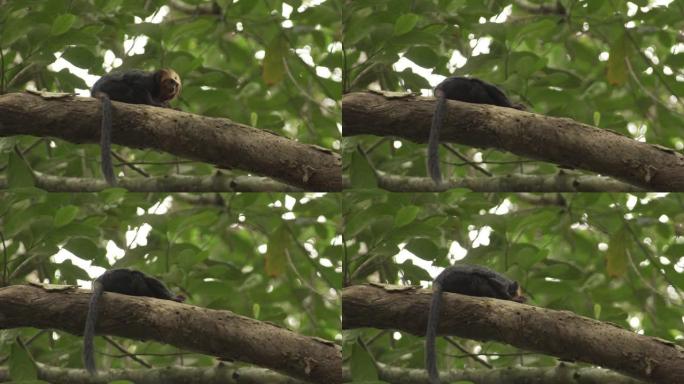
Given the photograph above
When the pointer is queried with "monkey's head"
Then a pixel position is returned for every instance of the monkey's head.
(169, 84)
(516, 293)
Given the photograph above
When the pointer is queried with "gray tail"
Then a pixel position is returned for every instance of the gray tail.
(89, 331)
(431, 334)
(106, 140)
(433, 140)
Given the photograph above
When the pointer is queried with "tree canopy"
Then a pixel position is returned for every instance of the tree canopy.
(616, 258)
(273, 66)
(613, 65)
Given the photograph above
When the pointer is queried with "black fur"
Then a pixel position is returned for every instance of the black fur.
(126, 282)
(472, 280)
(464, 89)
(131, 86)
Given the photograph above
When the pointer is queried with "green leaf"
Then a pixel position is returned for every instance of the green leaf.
(62, 23)
(361, 364)
(597, 118)
(19, 175)
(423, 248)
(256, 309)
(406, 215)
(617, 68)
(21, 367)
(274, 70)
(276, 257)
(65, 215)
(616, 255)
(405, 23)
(360, 173)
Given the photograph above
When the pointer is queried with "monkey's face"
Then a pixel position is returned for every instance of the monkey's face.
(516, 293)
(169, 84)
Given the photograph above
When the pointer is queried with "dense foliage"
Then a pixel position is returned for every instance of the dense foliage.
(269, 257)
(613, 64)
(612, 257)
(269, 64)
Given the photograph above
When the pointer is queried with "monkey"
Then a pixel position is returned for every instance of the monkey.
(126, 282)
(469, 90)
(472, 280)
(134, 87)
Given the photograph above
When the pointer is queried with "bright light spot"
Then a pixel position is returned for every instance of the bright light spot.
(503, 16)
(292, 322)
(158, 16)
(305, 54)
(60, 64)
(262, 248)
(631, 202)
(456, 252)
(679, 265)
(404, 255)
(323, 72)
(404, 63)
(663, 219)
(480, 46)
(311, 250)
(631, 9)
(634, 322)
(480, 237)
(396, 144)
(290, 202)
(396, 335)
(138, 236)
(602, 247)
(503, 208)
(114, 252)
(132, 46)
(161, 207)
(287, 11)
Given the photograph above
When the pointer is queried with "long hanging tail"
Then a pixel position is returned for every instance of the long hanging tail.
(433, 140)
(431, 333)
(106, 140)
(89, 331)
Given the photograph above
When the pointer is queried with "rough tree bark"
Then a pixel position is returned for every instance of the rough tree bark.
(557, 333)
(213, 140)
(212, 332)
(557, 140)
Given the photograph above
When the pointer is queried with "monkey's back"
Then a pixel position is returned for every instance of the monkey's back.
(475, 280)
(472, 90)
(131, 86)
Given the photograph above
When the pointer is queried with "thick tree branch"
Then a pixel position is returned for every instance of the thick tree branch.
(558, 333)
(212, 332)
(557, 140)
(560, 182)
(213, 140)
(562, 373)
(174, 183)
(223, 373)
